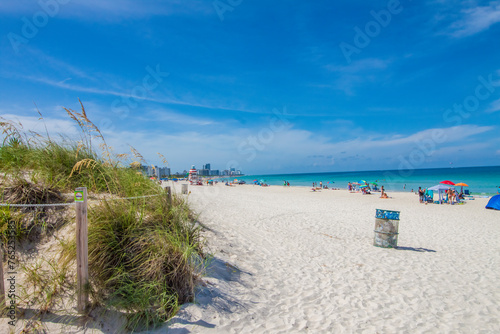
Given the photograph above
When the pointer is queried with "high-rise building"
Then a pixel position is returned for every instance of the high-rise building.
(164, 172)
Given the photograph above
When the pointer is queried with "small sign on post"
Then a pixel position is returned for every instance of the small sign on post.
(82, 252)
(79, 197)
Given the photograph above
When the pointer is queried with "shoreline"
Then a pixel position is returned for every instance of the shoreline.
(475, 195)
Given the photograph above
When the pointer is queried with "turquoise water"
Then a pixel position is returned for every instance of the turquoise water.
(481, 180)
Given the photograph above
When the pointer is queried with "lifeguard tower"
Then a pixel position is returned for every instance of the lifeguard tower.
(193, 174)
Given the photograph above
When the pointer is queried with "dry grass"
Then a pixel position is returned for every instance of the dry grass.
(32, 223)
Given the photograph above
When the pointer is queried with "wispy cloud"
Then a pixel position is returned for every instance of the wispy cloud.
(494, 106)
(288, 147)
(66, 84)
(356, 73)
(164, 115)
(476, 19)
(54, 126)
(89, 10)
(363, 65)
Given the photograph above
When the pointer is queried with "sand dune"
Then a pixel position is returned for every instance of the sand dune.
(288, 260)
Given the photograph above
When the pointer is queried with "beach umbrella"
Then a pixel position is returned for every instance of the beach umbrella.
(462, 185)
(363, 186)
(362, 181)
(447, 182)
(375, 183)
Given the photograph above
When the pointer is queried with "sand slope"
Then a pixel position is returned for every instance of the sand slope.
(288, 260)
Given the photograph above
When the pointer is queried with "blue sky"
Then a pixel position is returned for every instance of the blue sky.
(286, 86)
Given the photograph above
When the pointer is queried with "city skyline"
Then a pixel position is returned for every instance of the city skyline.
(164, 172)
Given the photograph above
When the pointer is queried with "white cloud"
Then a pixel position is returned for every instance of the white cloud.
(110, 10)
(184, 101)
(494, 106)
(53, 126)
(165, 115)
(362, 65)
(284, 150)
(356, 73)
(475, 20)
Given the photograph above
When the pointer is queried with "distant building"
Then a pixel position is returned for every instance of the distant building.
(158, 172)
(164, 172)
(147, 170)
(214, 172)
(204, 172)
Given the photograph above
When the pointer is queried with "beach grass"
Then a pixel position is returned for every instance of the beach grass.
(145, 254)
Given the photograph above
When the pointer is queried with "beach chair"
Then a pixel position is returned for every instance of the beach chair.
(467, 192)
(429, 196)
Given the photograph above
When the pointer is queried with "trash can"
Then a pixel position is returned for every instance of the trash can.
(386, 228)
(184, 189)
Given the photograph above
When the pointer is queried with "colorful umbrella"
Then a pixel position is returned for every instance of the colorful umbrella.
(462, 185)
(447, 182)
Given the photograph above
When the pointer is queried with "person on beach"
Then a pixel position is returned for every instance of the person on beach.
(421, 193)
(449, 196)
(383, 194)
(321, 184)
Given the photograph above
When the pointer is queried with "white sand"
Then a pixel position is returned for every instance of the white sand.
(288, 260)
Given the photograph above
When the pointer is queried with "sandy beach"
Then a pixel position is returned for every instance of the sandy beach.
(289, 260)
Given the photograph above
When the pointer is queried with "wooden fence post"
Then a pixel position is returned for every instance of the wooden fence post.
(169, 196)
(82, 252)
(2, 282)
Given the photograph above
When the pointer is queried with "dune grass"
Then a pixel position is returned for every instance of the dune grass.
(144, 254)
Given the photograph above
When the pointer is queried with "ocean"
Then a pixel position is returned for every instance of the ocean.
(481, 180)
